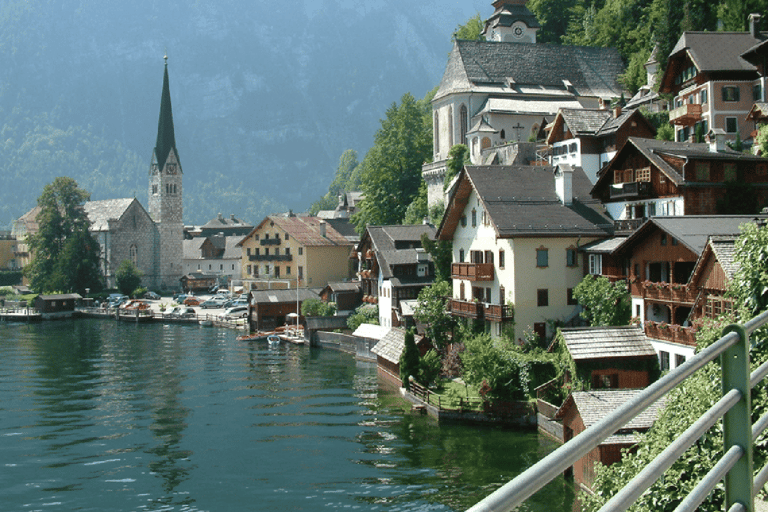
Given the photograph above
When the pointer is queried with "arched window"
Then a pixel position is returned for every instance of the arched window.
(486, 143)
(461, 290)
(134, 254)
(503, 134)
(436, 127)
(450, 126)
(464, 120)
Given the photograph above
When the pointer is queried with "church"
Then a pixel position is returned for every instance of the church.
(150, 238)
(505, 89)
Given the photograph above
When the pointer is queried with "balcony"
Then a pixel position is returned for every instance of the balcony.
(631, 190)
(498, 313)
(466, 309)
(685, 115)
(271, 257)
(627, 226)
(269, 241)
(664, 292)
(472, 271)
(672, 333)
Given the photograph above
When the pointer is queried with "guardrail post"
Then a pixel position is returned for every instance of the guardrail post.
(737, 422)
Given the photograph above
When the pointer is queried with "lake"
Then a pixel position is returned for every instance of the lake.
(100, 415)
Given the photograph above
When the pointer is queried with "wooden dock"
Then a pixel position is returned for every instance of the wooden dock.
(20, 315)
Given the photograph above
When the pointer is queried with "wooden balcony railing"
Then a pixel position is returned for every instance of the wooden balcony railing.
(467, 309)
(498, 313)
(666, 292)
(685, 115)
(670, 332)
(631, 190)
(472, 271)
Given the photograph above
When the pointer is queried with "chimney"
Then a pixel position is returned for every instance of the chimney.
(322, 228)
(754, 25)
(221, 217)
(564, 183)
(616, 111)
(716, 140)
(232, 217)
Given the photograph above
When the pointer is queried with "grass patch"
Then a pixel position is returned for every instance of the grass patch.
(456, 395)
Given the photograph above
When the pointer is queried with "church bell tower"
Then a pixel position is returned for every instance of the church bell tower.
(165, 195)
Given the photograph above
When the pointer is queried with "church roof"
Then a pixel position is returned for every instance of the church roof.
(586, 71)
(508, 13)
(166, 139)
(101, 212)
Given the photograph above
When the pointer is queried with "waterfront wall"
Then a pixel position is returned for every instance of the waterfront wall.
(359, 347)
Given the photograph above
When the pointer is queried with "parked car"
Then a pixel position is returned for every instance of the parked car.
(182, 312)
(213, 303)
(234, 312)
(191, 301)
(151, 296)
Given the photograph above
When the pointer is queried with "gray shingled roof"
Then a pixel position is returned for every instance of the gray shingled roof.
(595, 405)
(691, 230)
(717, 51)
(101, 212)
(192, 248)
(384, 240)
(604, 246)
(586, 343)
(391, 346)
(283, 296)
(522, 200)
(724, 248)
(592, 71)
(585, 121)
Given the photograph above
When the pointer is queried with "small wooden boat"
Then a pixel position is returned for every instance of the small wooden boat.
(273, 339)
(251, 337)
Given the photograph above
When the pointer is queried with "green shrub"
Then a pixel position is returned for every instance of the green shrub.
(429, 368)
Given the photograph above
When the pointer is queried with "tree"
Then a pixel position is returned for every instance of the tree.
(458, 157)
(342, 182)
(128, 277)
(365, 314)
(65, 254)
(471, 30)
(409, 359)
(316, 307)
(391, 170)
(761, 140)
(431, 311)
(442, 255)
(604, 302)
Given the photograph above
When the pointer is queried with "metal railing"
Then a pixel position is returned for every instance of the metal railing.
(734, 407)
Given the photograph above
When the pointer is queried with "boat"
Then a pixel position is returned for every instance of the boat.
(273, 339)
(206, 323)
(251, 337)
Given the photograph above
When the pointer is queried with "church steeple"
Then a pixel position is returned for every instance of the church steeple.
(166, 139)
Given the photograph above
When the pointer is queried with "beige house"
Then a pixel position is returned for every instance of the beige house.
(516, 232)
(286, 252)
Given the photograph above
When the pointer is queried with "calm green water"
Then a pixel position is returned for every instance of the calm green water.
(96, 415)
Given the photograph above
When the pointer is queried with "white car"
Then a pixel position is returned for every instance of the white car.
(234, 312)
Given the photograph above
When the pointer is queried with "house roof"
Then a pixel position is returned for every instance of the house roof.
(543, 107)
(604, 246)
(723, 248)
(282, 296)
(372, 331)
(595, 405)
(522, 201)
(391, 346)
(716, 51)
(692, 231)
(221, 222)
(61, 296)
(101, 212)
(198, 276)
(396, 244)
(588, 343)
(596, 122)
(590, 71)
(344, 286)
(655, 151)
(305, 230)
(192, 248)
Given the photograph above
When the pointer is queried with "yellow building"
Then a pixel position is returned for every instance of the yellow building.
(283, 252)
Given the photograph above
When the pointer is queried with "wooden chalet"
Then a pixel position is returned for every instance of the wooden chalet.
(611, 357)
(269, 308)
(714, 269)
(583, 409)
(346, 295)
(650, 177)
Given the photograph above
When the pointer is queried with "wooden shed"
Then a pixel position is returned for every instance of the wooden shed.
(57, 306)
(198, 282)
(388, 352)
(583, 409)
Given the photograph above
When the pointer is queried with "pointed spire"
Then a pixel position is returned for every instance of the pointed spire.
(165, 136)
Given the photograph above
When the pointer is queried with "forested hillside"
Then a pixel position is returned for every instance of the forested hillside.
(266, 95)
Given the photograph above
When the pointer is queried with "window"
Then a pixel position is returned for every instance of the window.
(571, 258)
(464, 120)
(501, 258)
(463, 221)
(729, 172)
(266, 251)
(474, 218)
(437, 133)
(258, 251)
(249, 251)
(134, 253)
(703, 97)
(757, 92)
(301, 272)
(643, 174)
(287, 251)
(461, 255)
(286, 236)
(731, 93)
(540, 328)
(301, 251)
(679, 359)
(702, 171)
(663, 240)
(542, 257)
(249, 270)
(731, 125)
(595, 264)
(542, 297)
(461, 290)
(664, 360)
(569, 298)
(287, 271)
(277, 271)
(502, 295)
(489, 257)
